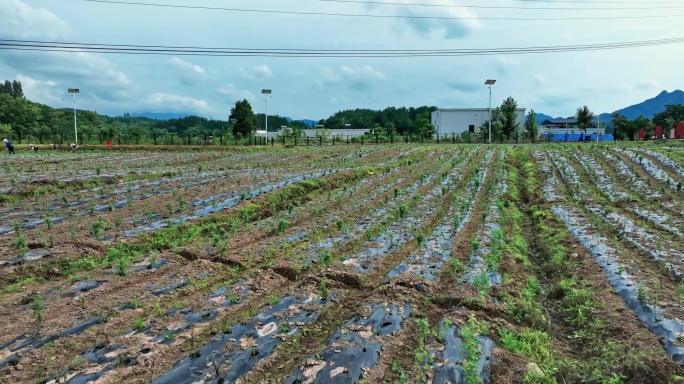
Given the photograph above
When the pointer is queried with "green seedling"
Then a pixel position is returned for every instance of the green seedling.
(138, 324)
(38, 309)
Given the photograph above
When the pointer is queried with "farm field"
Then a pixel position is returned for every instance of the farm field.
(344, 264)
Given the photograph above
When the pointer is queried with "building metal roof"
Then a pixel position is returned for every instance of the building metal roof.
(559, 121)
(471, 109)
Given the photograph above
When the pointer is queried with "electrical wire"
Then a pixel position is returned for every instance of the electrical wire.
(505, 7)
(26, 45)
(600, 2)
(298, 13)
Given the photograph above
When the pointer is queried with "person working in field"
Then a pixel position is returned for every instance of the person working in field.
(9, 146)
(73, 146)
(109, 144)
(33, 147)
(54, 146)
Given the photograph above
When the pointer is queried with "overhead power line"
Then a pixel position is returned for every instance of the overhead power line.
(302, 13)
(612, 8)
(600, 2)
(299, 53)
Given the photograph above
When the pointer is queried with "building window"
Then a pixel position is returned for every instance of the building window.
(471, 128)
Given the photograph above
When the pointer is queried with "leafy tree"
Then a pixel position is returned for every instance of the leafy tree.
(274, 122)
(17, 91)
(508, 118)
(389, 130)
(5, 130)
(670, 123)
(531, 125)
(245, 120)
(6, 88)
(299, 125)
(585, 118)
(424, 127)
(633, 126)
(673, 114)
(620, 126)
(157, 133)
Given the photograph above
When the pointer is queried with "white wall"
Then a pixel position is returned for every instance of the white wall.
(448, 121)
(336, 132)
(312, 132)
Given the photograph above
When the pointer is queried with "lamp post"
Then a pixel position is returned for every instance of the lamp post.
(267, 94)
(489, 83)
(73, 92)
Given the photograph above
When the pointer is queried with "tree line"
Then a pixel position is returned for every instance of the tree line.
(22, 120)
(626, 129)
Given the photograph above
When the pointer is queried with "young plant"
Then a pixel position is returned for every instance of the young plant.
(323, 289)
(122, 267)
(21, 246)
(38, 309)
(138, 324)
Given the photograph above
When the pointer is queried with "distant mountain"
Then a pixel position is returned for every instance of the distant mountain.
(605, 117)
(647, 108)
(162, 116)
(541, 117)
(652, 106)
(308, 122)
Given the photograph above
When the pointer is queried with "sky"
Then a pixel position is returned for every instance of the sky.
(313, 88)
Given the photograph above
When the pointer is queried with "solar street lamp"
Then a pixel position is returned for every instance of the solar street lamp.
(73, 92)
(267, 94)
(489, 83)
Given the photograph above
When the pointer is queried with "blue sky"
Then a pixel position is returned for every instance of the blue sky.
(314, 88)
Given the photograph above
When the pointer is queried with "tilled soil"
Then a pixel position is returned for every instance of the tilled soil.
(406, 264)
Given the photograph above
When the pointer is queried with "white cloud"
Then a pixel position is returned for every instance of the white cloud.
(235, 93)
(258, 73)
(362, 72)
(447, 22)
(188, 72)
(555, 83)
(648, 84)
(44, 91)
(22, 22)
(340, 99)
(505, 64)
(162, 102)
(356, 78)
(540, 79)
(93, 74)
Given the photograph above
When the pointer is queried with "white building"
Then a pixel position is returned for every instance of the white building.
(459, 120)
(315, 132)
